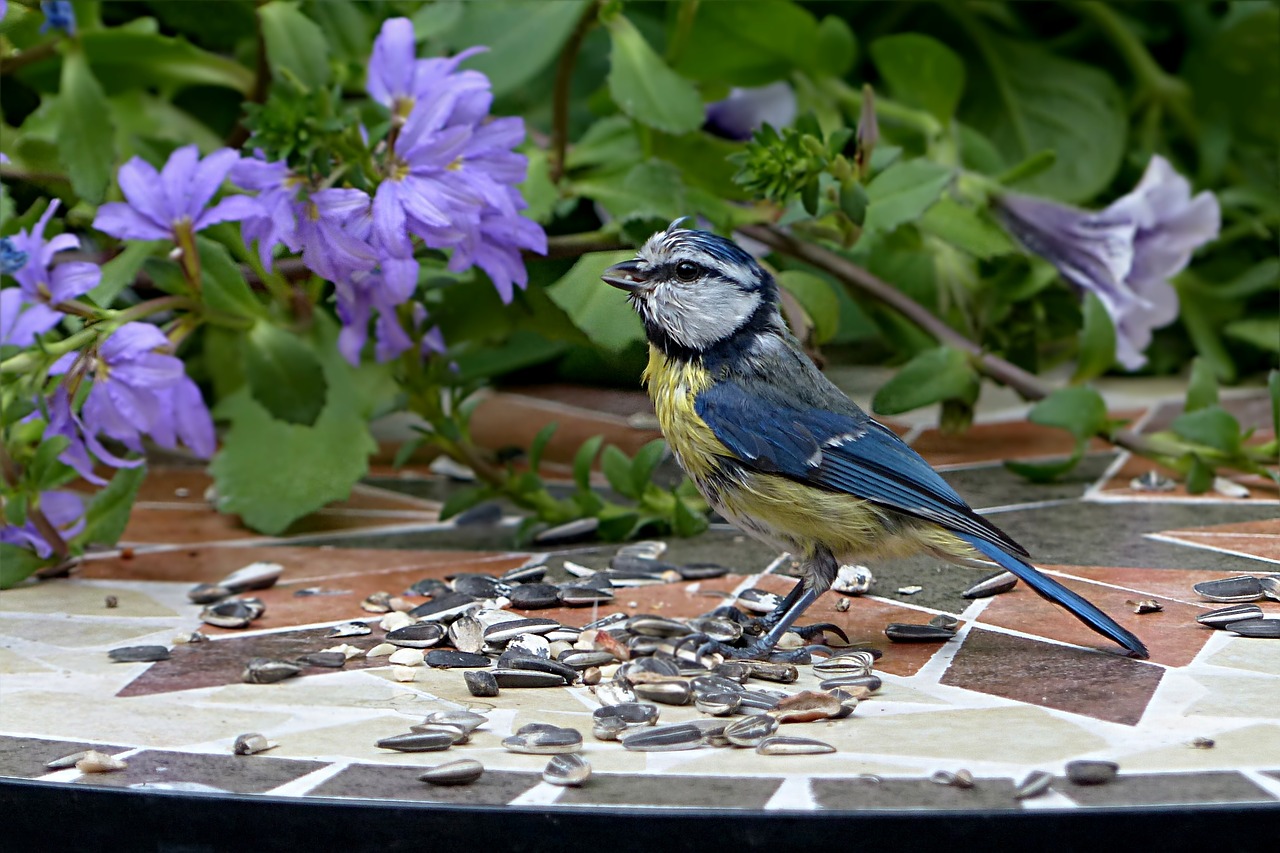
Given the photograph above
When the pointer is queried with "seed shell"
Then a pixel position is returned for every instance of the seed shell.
(786, 745)
(139, 654)
(462, 772)
(569, 770)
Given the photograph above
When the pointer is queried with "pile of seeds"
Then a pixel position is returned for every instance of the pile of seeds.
(1243, 617)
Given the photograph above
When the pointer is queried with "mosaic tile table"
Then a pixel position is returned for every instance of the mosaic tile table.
(1022, 687)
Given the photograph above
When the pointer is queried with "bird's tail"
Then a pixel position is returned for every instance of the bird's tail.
(1049, 588)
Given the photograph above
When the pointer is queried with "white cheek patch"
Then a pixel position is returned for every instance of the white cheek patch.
(698, 323)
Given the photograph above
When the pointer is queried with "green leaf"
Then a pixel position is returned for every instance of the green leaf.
(1273, 385)
(686, 522)
(836, 47)
(645, 88)
(224, 359)
(616, 528)
(463, 500)
(1080, 411)
(1212, 426)
(1026, 100)
(18, 564)
(272, 473)
(284, 374)
(818, 298)
(1097, 341)
(122, 270)
(45, 471)
(1202, 388)
(645, 463)
(126, 59)
(108, 512)
(1261, 332)
(1046, 472)
(617, 470)
(295, 44)
(86, 139)
(650, 190)
(583, 459)
(523, 38)
(600, 311)
(903, 192)
(921, 72)
(539, 445)
(434, 20)
(750, 44)
(225, 289)
(934, 375)
(965, 228)
(1199, 476)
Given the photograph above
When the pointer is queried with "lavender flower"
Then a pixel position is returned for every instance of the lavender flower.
(1124, 254)
(64, 422)
(21, 321)
(174, 202)
(746, 110)
(42, 286)
(64, 510)
(58, 15)
(139, 391)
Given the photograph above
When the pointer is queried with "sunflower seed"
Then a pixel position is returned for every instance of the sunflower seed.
(759, 600)
(524, 678)
(420, 635)
(848, 702)
(530, 645)
(785, 745)
(750, 731)
(434, 741)
(395, 620)
(1229, 488)
(606, 621)
(251, 744)
(329, 660)
(1201, 743)
(252, 576)
(480, 682)
(94, 761)
(268, 671)
(657, 626)
(712, 683)
(1091, 771)
(351, 629)
(450, 659)
(535, 596)
(581, 596)
(1270, 586)
(721, 630)
(580, 659)
(230, 613)
(1259, 628)
(640, 668)
(679, 736)
(1036, 783)
(1242, 588)
(582, 528)
(992, 585)
(381, 650)
(718, 704)
(462, 772)
(444, 608)
(487, 513)
(479, 586)
(853, 580)
(504, 631)
(854, 663)
(66, 761)
(510, 661)
(139, 654)
(702, 571)
(872, 683)
(406, 657)
(615, 693)
(468, 721)
(455, 732)
(530, 573)
(550, 740)
(569, 770)
(1145, 605)
(902, 633)
(193, 637)
(430, 587)
(909, 590)
(207, 593)
(645, 549)
(959, 779)
(665, 692)
(945, 621)
(781, 673)
(805, 707)
(378, 602)
(1152, 481)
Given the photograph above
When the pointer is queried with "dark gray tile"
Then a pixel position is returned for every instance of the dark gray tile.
(993, 485)
(1114, 534)
(1166, 789)
(240, 774)
(861, 794)
(25, 757)
(380, 782)
(671, 790)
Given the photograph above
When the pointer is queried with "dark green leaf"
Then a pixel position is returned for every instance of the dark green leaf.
(965, 228)
(539, 445)
(130, 59)
(602, 312)
(1199, 476)
(1080, 411)
(903, 192)
(108, 512)
(122, 270)
(347, 28)
(434, 20)
(1027, 100)
(45, 471)
(295, 44)
(1212, 426)
(645, 462)
(86, 138)
(687, 522)
(15, 410)
(644, 87)
(931, 377)
(18, 564)
(463, 500)
(1097, 341)
(921, 72)
(225, 289)
(617, 470)
(1273, 385)
(836, 47)
(224, 359)
(583, 460)
(650, 190)
(1202, 389)
(406, 450)
(750, 44)
(523, 38)
(1046, 472)
(818, 298)
(284, 374)
(1261, 332)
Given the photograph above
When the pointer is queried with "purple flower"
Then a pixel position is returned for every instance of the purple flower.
(64, 422)
(64, 510)
(29, 310)
(1124, 254)
(138, 391)
(746, 110)
(58, 15)
(174, 202)
(21, 321)
(396, 77)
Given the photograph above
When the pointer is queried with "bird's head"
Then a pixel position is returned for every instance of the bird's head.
(694, 289)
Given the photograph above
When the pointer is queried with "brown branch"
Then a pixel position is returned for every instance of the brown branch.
(15, 174)
(261, 83)
(560, 99)
(1028, 385)
(17, 61)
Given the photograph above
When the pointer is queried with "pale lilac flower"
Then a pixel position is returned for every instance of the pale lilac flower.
(4, 8)
(746, 110)
(138, 391)
(58, 15)
(64, 510)
(64, 422)
(174, 202)
(396, 77)
(1124, 254)
(29, 310)
(357, 299)
(22, 321)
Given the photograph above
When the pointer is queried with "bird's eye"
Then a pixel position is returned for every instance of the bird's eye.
(688, 271)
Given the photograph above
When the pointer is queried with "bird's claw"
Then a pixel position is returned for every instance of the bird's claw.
(808, 632)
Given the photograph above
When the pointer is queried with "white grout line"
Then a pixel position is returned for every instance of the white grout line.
(541, 794)
(1050, 799)
(304, 785)
(1270, 784)
(794, 794)
(1160, 537)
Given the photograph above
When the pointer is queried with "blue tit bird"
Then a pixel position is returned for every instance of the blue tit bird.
(780, 451)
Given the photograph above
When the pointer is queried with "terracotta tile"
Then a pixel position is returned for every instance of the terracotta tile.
(182, 526)
(240, 774)
(1117, 486)
(1259, 538)
(1172, 635)
(610, 401)
(1106, 687)
(996, 442)
(512, 420)
(1163, 583)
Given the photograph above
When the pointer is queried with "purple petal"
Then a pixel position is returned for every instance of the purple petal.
(131, 340)
(122, 221)
(207, 177)
(148, 370)
(175, 181)
(60, 243)
(389, 220)
(392, 338)
(400, 277)
(194, 424)
(340, 204)
(231, 209)
(69, 280)
(140, 183)
(391, 65)
(20, 325)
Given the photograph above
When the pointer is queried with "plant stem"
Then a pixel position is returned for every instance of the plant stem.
(1028, 385)
(573, 245)
(891, 111)
(560, 98)
(25, 362)
(261, 84)
(16, 61)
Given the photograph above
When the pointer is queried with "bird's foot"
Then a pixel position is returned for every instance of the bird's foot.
(754, 651)
(808, 632)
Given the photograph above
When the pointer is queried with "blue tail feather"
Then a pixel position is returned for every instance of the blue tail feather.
(1049, 588)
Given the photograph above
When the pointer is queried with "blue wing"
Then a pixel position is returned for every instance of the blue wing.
(843, 452)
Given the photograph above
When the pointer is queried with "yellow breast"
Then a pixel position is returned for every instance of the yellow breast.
(673, 386)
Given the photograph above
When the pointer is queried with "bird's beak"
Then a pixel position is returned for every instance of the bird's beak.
(624, 276)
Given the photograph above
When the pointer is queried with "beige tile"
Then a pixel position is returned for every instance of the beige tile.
(68, 596)
(1251, 746)
(1251, 654)
(356, 741)
(12, 663)
(78, 634)
(1238, 696)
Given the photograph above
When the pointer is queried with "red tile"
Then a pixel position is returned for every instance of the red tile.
(1252, 538)
(1163, 583)
(1105, 687)
(1117, 485)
